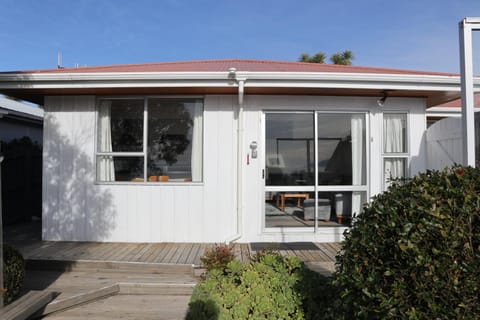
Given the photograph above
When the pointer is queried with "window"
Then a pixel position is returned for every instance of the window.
(151, 139)
(395, 150)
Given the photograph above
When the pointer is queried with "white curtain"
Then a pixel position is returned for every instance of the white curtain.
(358, 159)
(197, 142)
(106, 169)
(393, 142)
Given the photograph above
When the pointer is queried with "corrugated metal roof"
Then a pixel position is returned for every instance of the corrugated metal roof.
(239, 64)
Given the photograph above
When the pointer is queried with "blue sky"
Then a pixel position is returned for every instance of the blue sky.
(421, 34)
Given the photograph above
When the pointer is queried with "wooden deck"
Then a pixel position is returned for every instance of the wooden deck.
(33, 248)
(157, 278)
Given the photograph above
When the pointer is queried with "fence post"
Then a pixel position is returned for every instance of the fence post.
(1, 232)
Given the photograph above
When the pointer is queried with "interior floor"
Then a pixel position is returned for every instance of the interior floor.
(293, 217)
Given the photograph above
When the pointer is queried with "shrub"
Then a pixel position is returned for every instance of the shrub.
(13, 273)
(217, 257)
(271, 287)
(414, 253)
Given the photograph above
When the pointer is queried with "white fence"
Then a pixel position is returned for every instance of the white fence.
(444, 143)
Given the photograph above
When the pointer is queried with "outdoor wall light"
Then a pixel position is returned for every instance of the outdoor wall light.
(382, 100)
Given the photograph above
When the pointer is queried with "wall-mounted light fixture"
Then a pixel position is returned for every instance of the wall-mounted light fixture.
(382, 100)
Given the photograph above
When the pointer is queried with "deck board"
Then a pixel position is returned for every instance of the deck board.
(170, 253)
(164, 253)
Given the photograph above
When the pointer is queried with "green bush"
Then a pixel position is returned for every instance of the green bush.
(217, 257)
(13, 273)
(414, 252)
(271, 287)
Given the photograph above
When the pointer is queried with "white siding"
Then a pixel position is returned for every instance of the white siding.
(77, 208)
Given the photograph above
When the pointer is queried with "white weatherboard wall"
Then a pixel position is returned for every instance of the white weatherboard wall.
(77, 208)
(255, 106)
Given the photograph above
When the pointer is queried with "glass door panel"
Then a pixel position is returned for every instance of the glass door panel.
(285, 209)
(289, 149)
(296, 151)
(341, 149)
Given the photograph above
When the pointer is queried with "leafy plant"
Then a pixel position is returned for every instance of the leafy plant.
(270, 287)
(13, 273)
(217, 257)
(414, 252)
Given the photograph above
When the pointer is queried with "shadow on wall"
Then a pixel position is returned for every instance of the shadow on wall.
(74, 208)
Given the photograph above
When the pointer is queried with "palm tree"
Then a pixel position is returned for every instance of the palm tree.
(344, 58)
(319, 57)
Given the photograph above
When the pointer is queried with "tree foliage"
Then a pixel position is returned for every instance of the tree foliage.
(343, 58)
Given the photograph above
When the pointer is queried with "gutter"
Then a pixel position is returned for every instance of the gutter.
(240, 125)
(217, 79)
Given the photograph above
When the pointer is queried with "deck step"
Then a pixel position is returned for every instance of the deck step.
(87, 297)
(172, 289)
(110, 266)
(25, 306)
(119, 288)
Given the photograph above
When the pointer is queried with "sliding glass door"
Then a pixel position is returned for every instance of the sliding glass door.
(315, 168)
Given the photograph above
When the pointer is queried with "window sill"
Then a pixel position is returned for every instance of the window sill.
(166, 183)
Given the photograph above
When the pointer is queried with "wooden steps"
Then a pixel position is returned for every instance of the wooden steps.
(27, 305)
(110, 266)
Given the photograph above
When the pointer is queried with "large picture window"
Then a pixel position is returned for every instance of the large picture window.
(150, 140)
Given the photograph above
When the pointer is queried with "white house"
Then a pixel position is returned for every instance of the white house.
(223, 150)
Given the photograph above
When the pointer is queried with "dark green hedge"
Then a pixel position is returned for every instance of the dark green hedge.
(414, 253)
(13, 273)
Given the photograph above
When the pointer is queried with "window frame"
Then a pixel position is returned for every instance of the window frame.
(396, 155)
(143, 154)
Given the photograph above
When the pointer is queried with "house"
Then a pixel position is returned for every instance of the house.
(19, 120)
(21, 136)
(223, 150)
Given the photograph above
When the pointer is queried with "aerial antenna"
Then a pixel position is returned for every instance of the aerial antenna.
(59, 61)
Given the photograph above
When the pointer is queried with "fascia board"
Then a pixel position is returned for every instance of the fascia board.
(221, 79)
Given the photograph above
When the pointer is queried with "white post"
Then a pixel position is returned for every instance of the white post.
(1, 232)
(466, 68)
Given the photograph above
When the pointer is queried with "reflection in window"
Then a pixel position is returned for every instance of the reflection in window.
(289, 149)
(174, 146)
(174, 139)
(341, 149)
(120, 169)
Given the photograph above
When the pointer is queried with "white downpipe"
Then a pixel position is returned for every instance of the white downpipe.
(238, 235)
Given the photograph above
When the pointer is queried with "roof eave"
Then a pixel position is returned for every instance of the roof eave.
(446, 86)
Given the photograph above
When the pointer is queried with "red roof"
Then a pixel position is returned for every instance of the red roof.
(239, 64)
(458, 103)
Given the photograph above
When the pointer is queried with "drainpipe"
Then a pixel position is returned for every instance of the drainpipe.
(241, 84)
